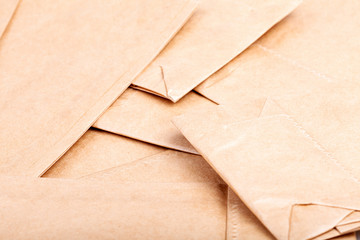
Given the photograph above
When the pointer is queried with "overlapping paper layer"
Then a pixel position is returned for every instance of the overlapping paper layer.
(218, 31)
(278, 159)
(62, 63)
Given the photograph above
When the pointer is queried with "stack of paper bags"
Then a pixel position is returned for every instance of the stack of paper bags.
(179, 119)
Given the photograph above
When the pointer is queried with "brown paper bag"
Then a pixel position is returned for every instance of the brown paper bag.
(168, 166)
(148, 118)
(277, 170)
(315, 46)
(62, 63)
(36, 208)
(218, 32)
(242, 223)
(6, 12)
(330, 116)
(96, 151)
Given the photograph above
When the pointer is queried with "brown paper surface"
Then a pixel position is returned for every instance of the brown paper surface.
(310, 73)
(350, 220)
(64, 62)
(353, 217)
(96, 151)
(351, 236)
(349, 227)
(168, 166)
(242, 223)
(6, 12)
(39, 208)
(333, 232)
(217, 32)
(176, 168)
(147, 118)
(279, 183)
(331, 117)
(316, 45)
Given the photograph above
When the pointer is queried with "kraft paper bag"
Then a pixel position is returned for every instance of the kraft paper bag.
(168, 166)
(147, 118)
(176, 168)
(348, 227)
(7, 9)
(331, 117)
(328, 121)
(217, 32)
(96, 151)
(277, 170)
(62, 63)
(351, 219)
(313, 47)
(40, 208)
(242, 223)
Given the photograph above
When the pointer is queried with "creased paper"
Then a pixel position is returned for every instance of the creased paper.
(217, 32)
(62, 63)
(97, 151)
(7, 10)
(313, 47)
(147, 118)
(276, 169)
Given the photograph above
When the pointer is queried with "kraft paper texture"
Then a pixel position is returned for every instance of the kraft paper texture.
(7, 10)
(36, 208)
(255, 156)
(311, 48)
(63, 63)
(147, 118)
(217, 32)
(97, 151)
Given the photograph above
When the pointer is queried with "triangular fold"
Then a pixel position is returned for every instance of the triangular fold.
(271, 108)
(347, 228)
(328, 235)
(310, 220)
(353, 217)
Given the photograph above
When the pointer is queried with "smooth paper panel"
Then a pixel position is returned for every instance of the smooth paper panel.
(96, 151)
(64, 62)
(204, 45)
(168, 166)
(40, 208)
(6, 12)
(317, 44)
(147, 118)
(288, 156)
